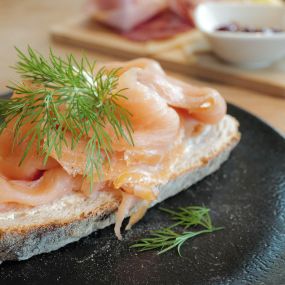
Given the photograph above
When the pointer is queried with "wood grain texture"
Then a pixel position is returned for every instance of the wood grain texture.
(24, 22)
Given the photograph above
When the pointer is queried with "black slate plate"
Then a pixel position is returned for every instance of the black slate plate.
(247, 197)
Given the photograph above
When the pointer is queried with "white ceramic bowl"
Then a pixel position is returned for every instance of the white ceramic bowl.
(251, 50)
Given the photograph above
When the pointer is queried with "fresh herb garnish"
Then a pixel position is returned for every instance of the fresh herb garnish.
(65, 96)
(166, 239)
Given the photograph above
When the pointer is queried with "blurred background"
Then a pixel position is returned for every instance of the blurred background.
(237, 49)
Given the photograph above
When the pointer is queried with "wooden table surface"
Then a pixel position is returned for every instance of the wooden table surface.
(27, 22)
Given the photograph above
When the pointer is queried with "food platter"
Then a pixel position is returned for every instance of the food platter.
(247, 198)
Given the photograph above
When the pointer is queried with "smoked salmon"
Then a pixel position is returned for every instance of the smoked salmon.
(165, 112)
(51, 186)
(10, 159)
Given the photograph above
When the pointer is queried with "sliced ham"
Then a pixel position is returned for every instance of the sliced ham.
(124, 15)
(184, 8)
(143, 20)
(164, 25)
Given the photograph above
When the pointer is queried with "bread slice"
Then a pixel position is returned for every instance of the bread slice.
(27, 232)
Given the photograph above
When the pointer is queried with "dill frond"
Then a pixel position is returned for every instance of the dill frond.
(62, 96)
(166, 239)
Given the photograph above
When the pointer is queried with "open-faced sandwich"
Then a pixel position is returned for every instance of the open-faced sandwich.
(84, 146)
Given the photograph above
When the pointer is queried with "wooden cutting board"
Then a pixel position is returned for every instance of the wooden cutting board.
(179, 55)
(87, 33)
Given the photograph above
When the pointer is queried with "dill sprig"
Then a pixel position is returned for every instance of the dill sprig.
(166, 239)
(63, 96)
(190, 216)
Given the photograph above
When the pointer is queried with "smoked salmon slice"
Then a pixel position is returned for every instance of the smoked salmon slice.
(11, 155)
(54, 184)
(154, 122)
(204, 104)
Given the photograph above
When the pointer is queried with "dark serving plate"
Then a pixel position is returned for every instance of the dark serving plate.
(247, 198)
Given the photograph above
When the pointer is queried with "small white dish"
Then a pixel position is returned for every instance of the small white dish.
(251, 50)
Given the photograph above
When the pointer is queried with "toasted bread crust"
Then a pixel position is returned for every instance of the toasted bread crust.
(22, 244)
(19, 243)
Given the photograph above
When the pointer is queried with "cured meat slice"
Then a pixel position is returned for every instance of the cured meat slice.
(124, 15)
(164, 25)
